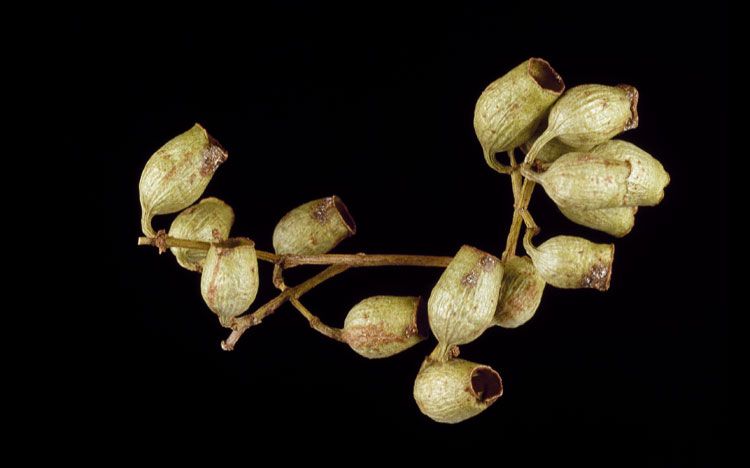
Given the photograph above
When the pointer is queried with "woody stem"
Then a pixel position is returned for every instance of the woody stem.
(522, 190)
(241, 324)
(315, 323)
(291, 261)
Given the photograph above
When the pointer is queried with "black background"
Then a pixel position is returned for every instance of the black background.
(376, 107)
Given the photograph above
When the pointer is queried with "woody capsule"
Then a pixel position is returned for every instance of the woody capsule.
(177, 174)
(511, 107)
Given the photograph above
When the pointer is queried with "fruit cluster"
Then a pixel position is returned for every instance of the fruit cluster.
(566, 136)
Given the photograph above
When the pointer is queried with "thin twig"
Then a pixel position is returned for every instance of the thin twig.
(521, 196)
(291, 261)
(365, 260)
(315, 322)
(241, 324)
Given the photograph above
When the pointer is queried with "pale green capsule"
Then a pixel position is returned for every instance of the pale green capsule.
(647, 179)
(456, 390)
(314, 227)
(510, 109)
(614, 221)
(588, 115)
(520, 294)
(177, 174)
(229, 282)
(463, 301)
(585, 181)
(381, 326)
(570, 262)
(209, 221)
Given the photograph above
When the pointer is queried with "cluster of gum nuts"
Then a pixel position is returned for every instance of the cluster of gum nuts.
(567, 136)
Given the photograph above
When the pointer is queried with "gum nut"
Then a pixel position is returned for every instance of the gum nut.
(177, 174)
(313, 228)
(463, 301)
(456, 390)
(209, 221)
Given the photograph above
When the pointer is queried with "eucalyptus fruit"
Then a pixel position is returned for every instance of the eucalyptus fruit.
(613, 174)
(314, 228)
(456, 390)
(229, 282)
(588, 115)
(586, 181)
(520, 295)
(463, 301)
(647, 178)
(177, 174)
(570, 262)
(381, 326)
(209, 220)
(614, 221)
(511, 108)
(596, 182)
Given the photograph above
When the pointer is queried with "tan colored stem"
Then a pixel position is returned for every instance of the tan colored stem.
(315, 322)
(163, 242)
(365, 260)
(291, 261)
(241, 324)
(522, 190)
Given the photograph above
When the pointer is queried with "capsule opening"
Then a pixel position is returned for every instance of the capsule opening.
(546, 76)
(422, 318)
(486, 384)
(345, 215)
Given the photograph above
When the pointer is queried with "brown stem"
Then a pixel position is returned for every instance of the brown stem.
(164, 242)
(365, 260)
(315, 323)
(522, 190)
(241, 324)
(291, 261)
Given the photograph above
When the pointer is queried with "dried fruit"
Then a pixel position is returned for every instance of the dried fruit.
(177, 174)
(647, 179)
(520, 294)
(209, 220)
(313, 228)
(585, 181)
(614, 221)
(463, 301)
(595, 182)
(588, 115)
(510, 109)
(229, 282)
(456, 390)
(570, 262)
(381, 326)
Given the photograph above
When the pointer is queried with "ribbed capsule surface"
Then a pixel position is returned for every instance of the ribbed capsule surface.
(588, 115)
(520, 294)
(209, 221)
(229, 282)
(177, 174)
(456, 390)
(511, 107)
(647, 179)
(463, 301)
(585, 181)
(381, 326)
(570, 262)
(313, 228)
(616, 222)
